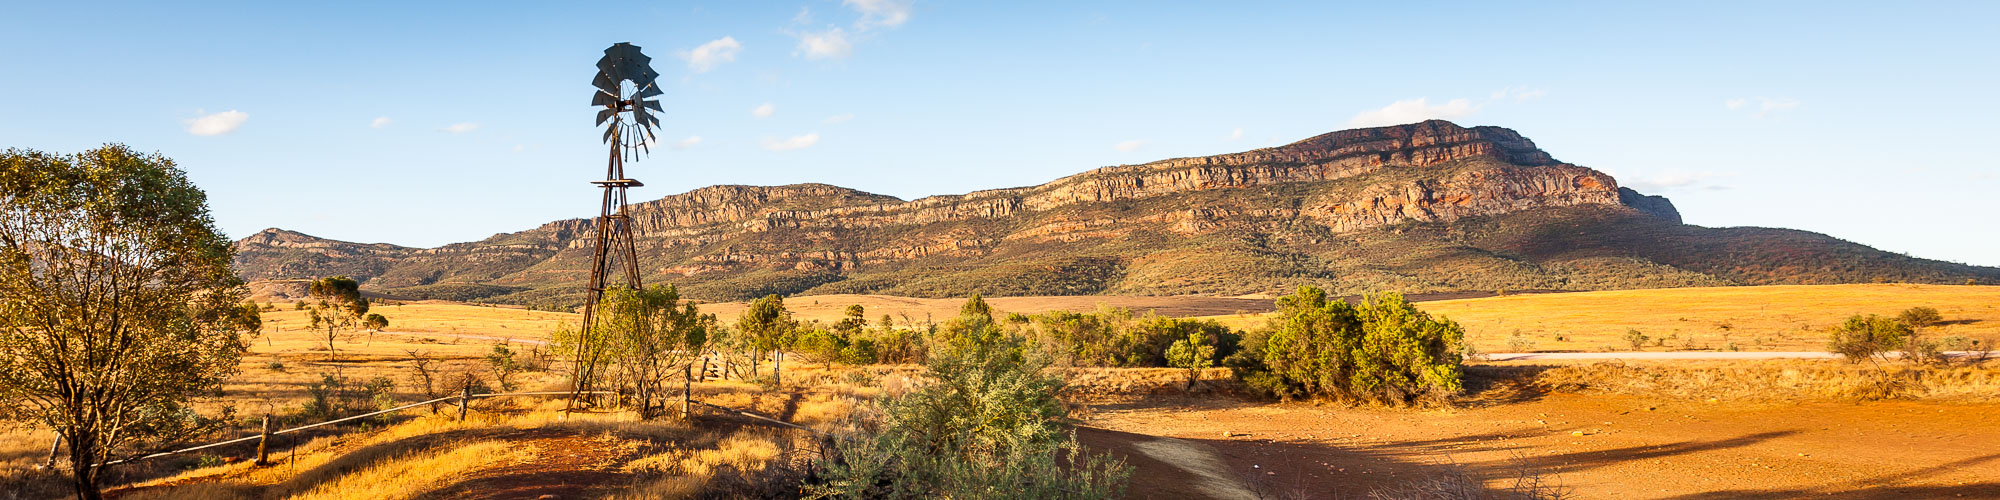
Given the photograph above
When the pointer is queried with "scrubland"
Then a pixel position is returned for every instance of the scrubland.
(1640, 429)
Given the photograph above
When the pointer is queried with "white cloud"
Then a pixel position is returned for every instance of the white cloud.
(1236, 134)
(1128, 146)
(689, 142)
(793, 143)
(1677, 180)
(1412, 111)
(1519, 94)
(805, 16)
(840, 118)
(1766, 107)
(764, 111)
(379, 122)
(829, 44)
(520, 147)
(711, 54)
(218, 123)
(461, 127)
(883, 13)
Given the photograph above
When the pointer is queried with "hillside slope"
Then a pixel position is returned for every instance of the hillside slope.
(1423, 207)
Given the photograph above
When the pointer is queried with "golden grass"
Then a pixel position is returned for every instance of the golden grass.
(1757, 318)
(410, 475)
(685, 472)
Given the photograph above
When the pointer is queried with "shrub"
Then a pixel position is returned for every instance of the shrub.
(1920, 317)
(1383, 351)
(1520, 343)
(1861, 338)
(1637, 339)
(987, 427)
(1193, 353)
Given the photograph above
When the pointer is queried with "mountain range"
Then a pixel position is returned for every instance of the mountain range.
(1424, 207)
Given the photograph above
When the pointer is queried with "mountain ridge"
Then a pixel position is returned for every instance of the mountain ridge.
(1284, 215)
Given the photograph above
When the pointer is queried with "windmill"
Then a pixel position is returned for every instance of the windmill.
(625, 85)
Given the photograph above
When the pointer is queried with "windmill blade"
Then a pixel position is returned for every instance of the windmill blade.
(649, 104)
(605, 114)
(608, 131)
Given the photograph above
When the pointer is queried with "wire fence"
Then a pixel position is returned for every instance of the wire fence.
(463, 402)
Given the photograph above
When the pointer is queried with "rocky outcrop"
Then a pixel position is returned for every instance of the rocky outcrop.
(1345, 181)
(1657, 206)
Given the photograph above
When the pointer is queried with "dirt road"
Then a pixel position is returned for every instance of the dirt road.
(1598, 446)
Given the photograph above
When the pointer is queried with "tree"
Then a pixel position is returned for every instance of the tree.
(336, 305)
(1384, 351)
(653, 333)
(1193, 354)
(115, 302)
(1920, 317)
(374, 322)
(769, 328)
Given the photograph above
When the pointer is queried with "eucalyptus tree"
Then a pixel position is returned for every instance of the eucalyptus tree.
(336, 305)
(118, 307)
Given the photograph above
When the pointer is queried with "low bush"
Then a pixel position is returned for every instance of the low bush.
(1383, 351)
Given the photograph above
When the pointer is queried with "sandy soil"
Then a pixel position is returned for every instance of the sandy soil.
(1597, 446)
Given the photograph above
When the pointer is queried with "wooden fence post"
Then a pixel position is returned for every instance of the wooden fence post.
(464, 401)
(704, 369)
(264, 443)
(687, 390)
(52, 452)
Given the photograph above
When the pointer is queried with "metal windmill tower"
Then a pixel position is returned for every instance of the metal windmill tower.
(625, 85)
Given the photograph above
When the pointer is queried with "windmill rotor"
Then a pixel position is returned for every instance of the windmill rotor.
(630, 114)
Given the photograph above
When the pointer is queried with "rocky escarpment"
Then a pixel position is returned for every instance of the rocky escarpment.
(1330, 210)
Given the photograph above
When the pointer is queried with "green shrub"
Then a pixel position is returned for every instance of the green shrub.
(987, 427)
(1861, 338)
(1384, 351)
(1193, 353)
(1636, 338)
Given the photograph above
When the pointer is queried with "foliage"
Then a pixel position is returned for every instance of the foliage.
(504, 366)
(1193, 353)
(1384, 351)
(652, 333)
(1115, 338)
(336, 305)
(337, 396)
(1920, 317)
(986, 427)
(1863, 338)
(374, 322)
(767, 327)
(114, 289)
(1636, 338)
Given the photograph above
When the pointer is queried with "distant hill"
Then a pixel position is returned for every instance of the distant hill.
(1425, 207)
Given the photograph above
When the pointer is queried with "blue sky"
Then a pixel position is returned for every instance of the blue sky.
(442, 122)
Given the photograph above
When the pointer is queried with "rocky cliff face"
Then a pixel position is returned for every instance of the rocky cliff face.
(1079, 234)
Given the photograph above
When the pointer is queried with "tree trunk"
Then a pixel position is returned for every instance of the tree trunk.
(83, 470)
(778, 368)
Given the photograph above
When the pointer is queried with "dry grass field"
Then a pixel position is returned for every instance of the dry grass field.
(830, 308)
(1749, 318)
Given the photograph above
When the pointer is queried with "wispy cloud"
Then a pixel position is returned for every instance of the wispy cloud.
(1519, 94)
(879, 13)
(764, 111)
(218, 123)
(712, 54)
(793, 143)
(1412, 111)
(840, 118)
(829, 44)
(1236, 134)
(689, 142)
(461, 127)
(1128, 146)
(379, 122)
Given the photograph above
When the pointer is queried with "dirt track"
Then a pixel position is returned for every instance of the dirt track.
(1599, 446)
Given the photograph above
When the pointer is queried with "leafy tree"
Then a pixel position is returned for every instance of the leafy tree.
(1918, 347)
(504, 365)
(769, 328)
(653, 334)
(987, 428)
(1384, 351)
(117, 302)
(374, 322)
(1193, 354)
(336, 305)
